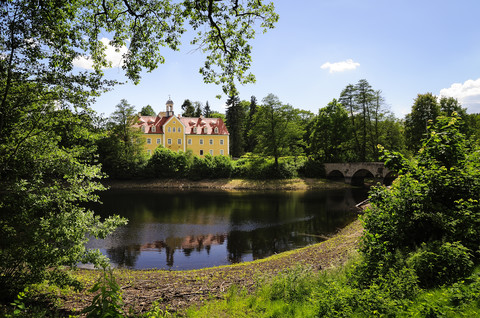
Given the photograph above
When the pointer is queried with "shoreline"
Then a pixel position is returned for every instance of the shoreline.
(178, 290)
(226, 184)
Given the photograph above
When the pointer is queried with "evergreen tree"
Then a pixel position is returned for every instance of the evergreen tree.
(198, 109)
(235, 118)
(250, 140)
(207, 111)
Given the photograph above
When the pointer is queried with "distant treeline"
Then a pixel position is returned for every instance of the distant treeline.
(276, 140)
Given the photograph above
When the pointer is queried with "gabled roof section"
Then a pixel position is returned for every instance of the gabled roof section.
(151, 121)
(201, 123)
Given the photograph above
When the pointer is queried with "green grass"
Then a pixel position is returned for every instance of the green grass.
(301, 293)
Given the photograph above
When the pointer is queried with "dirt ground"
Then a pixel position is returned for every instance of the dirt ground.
(178, 290)
(227, 184)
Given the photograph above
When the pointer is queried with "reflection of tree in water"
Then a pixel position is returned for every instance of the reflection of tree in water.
(124, 256)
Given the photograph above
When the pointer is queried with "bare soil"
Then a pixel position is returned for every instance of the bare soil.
(227, 184)
(178, 290)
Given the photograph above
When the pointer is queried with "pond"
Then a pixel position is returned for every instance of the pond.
(182, 230)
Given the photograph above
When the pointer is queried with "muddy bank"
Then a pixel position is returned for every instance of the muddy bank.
(177, 290)
(227, 184)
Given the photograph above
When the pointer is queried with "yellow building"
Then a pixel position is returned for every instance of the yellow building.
(201, 135)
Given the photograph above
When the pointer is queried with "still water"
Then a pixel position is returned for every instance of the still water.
(195, 229)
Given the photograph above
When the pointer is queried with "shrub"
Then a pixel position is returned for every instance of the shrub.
(435, 201)
(439, 263)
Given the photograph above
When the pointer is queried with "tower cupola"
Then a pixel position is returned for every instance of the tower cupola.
(169, 105)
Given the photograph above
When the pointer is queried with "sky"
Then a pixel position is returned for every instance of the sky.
(401, 47)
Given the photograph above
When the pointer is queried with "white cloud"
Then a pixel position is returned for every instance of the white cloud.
(116, 58)
(467, 93)
(340, 66)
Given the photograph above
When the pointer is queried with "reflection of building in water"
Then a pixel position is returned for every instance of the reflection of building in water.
(187, 244)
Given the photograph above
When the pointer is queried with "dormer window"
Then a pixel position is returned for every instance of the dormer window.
(154, 129)
(216, 130)
(194, 130)
(205, 130)
(143, 129)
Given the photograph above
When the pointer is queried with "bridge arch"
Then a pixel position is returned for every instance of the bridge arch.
(358, 178)
(356, 172)
(336, 175)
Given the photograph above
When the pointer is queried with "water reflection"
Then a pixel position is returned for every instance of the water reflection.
(196, 229)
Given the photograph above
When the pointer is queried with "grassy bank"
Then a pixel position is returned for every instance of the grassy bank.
(228, 184)
(178, 290)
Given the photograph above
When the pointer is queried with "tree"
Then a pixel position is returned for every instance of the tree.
(276, 128)
(250, 140)
(43, 182)
(188, 109)
(147, 111)
(367, 110)
(235, 117)
(428, 221)
(198, 109)
(331, 133)
(207, 112)
(424, 112)
(121, 152)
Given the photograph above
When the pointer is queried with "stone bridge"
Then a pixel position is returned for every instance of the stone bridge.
(355, 173)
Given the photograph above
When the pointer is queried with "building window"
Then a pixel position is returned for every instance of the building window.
(216, 130)
(189, 141)
(221, 152)
(211, 141)
(154, 129)
(211, 152)
(204, 130)
(149, 152)
(179, 141)
(143, 129)
(179, 129)
(221, 141)
(173, 129)
(194, 130)
(169, 141)
(149, 140)
(158, 141)
(201, 141)
(201, 152)
(169, 129)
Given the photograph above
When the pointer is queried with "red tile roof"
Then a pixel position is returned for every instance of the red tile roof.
(189, 122)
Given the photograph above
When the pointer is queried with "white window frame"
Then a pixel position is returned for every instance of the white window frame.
(179, 129)
(169, 129)
(201, 152)
(173, 129)
(159, 141)
(154, 129)
(221, 141)
(211, 141)
(221, 152)
(204, 130)
(194, 130)
(216, 130)
(169, 141)
(211, 152)
(189, 141)
(179, 141)
(149, 141)
(149, 152)
(201, 141)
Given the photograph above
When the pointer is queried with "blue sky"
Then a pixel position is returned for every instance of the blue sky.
(402, 48)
